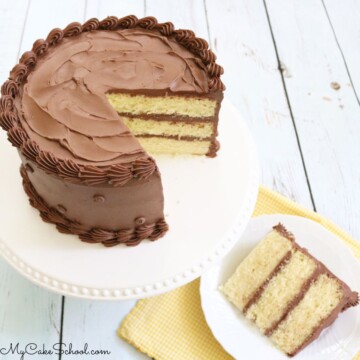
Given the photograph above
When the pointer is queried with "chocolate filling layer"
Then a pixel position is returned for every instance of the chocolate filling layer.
(176, 137)
(174, 118)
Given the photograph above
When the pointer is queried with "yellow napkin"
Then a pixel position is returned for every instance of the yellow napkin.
(173, 326)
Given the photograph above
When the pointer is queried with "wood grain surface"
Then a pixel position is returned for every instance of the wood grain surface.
(291, 69)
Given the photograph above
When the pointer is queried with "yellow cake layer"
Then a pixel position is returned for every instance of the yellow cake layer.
(281, 289)
(319, 301)
(167, 105)
(157, 145)
(140, 126)
(256, 268)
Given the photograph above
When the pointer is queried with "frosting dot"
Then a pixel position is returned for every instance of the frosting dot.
(61, 209)
(140, 220)
(99, 198)
(29, 168)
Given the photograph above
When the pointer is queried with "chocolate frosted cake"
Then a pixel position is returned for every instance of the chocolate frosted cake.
(87, 105)
(286, 292)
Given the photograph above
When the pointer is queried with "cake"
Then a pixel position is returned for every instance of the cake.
(289, 295)
(89, 105)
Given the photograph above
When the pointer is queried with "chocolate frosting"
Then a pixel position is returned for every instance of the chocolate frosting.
(54, 104)
(64, 100)
(128, 236)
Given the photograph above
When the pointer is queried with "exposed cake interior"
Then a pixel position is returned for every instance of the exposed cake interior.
(286, 292)
(291, 278)
(248, 278)
(175, 125)
(318, 304)
(169, 105)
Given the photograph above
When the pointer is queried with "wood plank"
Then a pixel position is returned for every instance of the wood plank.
(28, 313)
(245, 49)
(45, 15)
(327, 119)
(102, 8)
(10, 33)
(96, 323)
(347, 33)
(191, 15)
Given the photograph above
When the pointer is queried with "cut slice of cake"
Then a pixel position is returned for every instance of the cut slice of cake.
(286, 292)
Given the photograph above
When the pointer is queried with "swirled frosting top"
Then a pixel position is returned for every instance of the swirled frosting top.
(64, 104)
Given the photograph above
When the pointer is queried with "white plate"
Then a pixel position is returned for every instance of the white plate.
(240, 337)
(208, 203)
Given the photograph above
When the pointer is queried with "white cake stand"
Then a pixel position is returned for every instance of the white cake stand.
(208, 203)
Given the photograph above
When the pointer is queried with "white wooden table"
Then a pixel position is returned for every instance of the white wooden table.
(291, 68)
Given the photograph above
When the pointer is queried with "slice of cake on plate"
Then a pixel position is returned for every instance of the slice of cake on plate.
(286, 292)
(85, 107)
